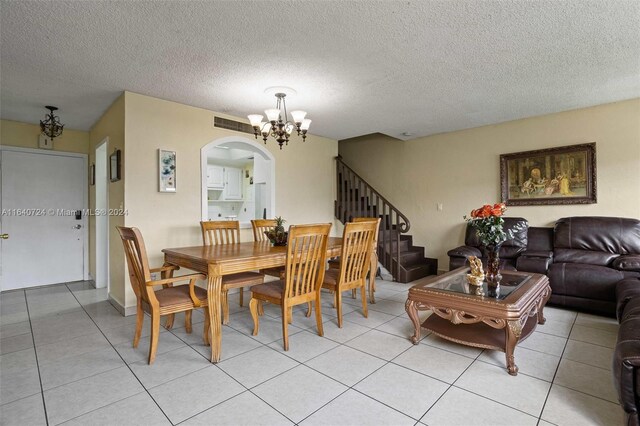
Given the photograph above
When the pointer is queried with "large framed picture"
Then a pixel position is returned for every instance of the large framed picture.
(563, 175)
(166, 170)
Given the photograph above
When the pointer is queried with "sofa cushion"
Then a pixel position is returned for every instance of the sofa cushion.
(540, 239)
(584, 256)
(627, 262)
(605, 234)
(585, 281)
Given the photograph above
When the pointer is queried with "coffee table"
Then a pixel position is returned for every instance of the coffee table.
(497, 320)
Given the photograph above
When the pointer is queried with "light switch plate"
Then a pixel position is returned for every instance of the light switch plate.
(45, 142)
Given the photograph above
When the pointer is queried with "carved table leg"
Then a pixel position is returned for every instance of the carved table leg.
(513, 331)
(543, 302)
(412, 311)
(214, 296)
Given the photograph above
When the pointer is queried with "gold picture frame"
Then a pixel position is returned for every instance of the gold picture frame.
(563, 175)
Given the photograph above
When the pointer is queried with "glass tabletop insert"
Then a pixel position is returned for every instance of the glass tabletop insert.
(459, 284)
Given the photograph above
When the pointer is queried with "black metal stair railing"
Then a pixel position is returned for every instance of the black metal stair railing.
(356, 198)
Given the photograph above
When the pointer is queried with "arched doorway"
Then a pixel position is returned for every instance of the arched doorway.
(238, 180)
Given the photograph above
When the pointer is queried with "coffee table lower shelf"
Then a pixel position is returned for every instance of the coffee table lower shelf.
(478, 335)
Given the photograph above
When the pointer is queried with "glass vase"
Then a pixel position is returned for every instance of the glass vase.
(492, 275)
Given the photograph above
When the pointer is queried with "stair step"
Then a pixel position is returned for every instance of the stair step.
(415, 272)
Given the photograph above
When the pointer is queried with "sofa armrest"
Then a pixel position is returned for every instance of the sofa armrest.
(464, 251)
(625, 291)
(626, 367)
(627, 262)
(536, 261)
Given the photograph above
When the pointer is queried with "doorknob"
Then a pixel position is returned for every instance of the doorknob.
(4, 236)
(77, 227)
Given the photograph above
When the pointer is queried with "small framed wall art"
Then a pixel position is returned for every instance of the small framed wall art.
(166, 171)
(562, 175)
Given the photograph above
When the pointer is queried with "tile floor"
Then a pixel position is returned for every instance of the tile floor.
(66, 357)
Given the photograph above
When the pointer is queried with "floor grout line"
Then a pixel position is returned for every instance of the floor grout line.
(125, 364)
(304, 363)
(35, 351)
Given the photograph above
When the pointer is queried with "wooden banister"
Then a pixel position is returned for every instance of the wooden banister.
(357, 198)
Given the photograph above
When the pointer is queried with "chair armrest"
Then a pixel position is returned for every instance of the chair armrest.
(536, 261)
(192, 282)
(165, 268)
(464, 251)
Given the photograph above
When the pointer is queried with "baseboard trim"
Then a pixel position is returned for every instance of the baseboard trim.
(124, 311)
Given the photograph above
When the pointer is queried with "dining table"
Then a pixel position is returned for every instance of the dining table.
(215, 261)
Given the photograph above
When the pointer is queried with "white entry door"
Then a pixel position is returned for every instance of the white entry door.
(41, 193)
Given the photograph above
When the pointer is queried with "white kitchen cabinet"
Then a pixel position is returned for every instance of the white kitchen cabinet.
(233, 183)
(215, 177)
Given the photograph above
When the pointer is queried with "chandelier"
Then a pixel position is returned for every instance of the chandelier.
(278, 125)
(51, 125)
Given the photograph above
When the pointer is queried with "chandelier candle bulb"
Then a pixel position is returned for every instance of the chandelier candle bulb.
(298, 116)
(255, 119)
(272, 115)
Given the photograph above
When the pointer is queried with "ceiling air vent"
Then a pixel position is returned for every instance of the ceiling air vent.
(237, 126)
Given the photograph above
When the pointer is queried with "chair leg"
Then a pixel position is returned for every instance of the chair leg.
(187, 321)
(207, 324)
(225, 306)
(319, 315)
(372, 289)
(339, 307)
(309, 308)
(241, 297)
(169, 321)
(253, 307)
(139, 321)
(363, 294)
(155, 331)
(290, 315)
(335, 299)
(353, 293)
(260, 308)
(285, 326)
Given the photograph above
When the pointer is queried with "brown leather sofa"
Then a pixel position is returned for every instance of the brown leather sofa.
(584, 257)
(626, 356)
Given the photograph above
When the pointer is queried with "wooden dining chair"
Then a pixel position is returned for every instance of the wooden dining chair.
(166, 301)
(355, 262)
(373, 270)
(228, 232)
(304, 273)
(260, 226)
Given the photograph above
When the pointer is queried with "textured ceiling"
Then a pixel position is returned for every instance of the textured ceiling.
(359, 67)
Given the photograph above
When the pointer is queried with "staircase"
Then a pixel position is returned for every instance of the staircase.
(396, 252)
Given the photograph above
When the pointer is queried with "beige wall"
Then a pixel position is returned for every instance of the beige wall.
(461, 169)
(305, 183)
(25, 135)
(111, 125)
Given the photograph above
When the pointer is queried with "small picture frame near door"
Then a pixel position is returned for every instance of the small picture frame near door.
(114, 166)
(166, 171)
